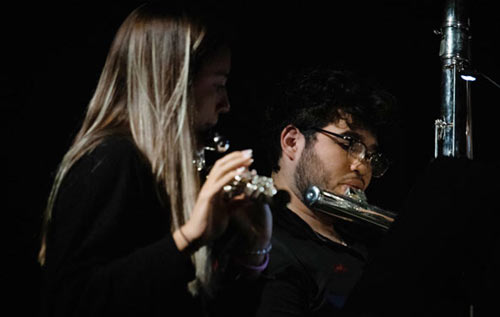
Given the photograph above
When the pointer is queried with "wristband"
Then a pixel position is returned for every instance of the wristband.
(184, 236)
(260, 251)
(256, 268)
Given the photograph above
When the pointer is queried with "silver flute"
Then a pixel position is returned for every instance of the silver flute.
(350, 207)
(248, 183)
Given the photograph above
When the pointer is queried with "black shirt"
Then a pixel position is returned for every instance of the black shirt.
(308, 275)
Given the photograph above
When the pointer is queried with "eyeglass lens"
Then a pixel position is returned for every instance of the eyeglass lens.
(357, 150)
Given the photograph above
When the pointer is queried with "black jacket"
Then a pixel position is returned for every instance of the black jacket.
(110, 251)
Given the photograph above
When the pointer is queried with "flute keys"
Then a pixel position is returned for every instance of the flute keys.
(252, 185)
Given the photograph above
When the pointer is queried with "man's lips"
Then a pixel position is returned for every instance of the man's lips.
(354, 182)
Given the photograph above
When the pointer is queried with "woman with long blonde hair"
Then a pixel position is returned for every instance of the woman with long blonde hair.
(128, 227)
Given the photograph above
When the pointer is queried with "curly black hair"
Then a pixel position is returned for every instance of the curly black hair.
(316, 97)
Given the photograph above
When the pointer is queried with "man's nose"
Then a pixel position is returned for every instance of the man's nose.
(362, 166)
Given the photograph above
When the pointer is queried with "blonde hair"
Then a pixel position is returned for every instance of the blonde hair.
(144, 93)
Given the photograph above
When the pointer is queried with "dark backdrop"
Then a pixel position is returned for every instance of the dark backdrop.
(53, 53)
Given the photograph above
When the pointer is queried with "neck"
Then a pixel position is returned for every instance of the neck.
(322, 224)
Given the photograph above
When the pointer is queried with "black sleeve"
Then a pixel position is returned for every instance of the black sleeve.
(110, 250)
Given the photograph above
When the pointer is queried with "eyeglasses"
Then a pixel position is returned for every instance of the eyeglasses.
(357, 150)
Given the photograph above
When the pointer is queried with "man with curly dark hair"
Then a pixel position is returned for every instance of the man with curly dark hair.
(329, 128)
(324, 127)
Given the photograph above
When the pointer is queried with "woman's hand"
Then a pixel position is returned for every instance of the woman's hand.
(252, 220)
(210, 215)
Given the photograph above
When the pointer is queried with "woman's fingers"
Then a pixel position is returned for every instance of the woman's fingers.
(226, 178)
(223, 171)
(228, 164)
(233, 155)
(232, 160)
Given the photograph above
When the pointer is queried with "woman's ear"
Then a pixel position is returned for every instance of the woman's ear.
(292, 141)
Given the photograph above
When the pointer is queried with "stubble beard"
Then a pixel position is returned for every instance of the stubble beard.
(309, 171)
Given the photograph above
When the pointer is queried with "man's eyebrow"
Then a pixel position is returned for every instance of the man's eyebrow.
(352, 134)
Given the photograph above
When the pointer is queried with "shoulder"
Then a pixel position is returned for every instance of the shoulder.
(113, 154)
(110, 189)
(116, 149)
(115, 162)
(286, 254)
(287, 277)
(293, 239)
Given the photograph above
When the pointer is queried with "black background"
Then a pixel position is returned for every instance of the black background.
(53, 54)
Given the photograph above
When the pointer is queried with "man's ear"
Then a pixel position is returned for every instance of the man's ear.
(292, 141)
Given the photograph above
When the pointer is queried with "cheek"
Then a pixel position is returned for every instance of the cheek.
(335, 160)
(335, 166)
(202, 90)
(204, 102)
(329, 170)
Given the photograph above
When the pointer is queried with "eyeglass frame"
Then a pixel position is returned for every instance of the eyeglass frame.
(368, 155)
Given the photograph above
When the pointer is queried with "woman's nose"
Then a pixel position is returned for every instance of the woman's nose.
(224, 104)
